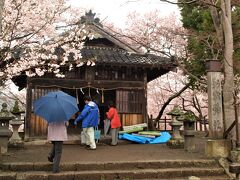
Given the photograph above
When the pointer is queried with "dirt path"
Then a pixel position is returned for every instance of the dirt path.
(122, 152)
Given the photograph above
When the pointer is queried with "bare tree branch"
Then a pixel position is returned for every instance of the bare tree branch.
(170, 99)
(13, 97)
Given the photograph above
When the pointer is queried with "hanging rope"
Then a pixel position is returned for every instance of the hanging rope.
(89, 92)
(102, 96)
(97, 91)
(77, 96)
(84, 87)
(81, 91)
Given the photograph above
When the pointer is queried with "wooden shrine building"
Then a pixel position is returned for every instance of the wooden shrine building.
(120, 74)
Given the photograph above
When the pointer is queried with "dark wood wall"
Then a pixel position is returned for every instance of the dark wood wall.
(35, 125)
(129, 85)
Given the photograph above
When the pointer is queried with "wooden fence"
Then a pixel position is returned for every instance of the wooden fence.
(164, 124)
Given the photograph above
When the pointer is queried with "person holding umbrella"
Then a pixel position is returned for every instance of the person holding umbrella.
(56, 108)
(90, 118)
(57, 133)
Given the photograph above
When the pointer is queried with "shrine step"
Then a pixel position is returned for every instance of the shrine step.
(170, 169)
(115, 174)
(78, 166)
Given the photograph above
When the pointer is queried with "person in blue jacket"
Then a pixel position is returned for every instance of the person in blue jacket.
(89, 117)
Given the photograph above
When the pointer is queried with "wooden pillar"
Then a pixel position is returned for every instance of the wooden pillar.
(28, 110)
(145, 116)
(90, 74)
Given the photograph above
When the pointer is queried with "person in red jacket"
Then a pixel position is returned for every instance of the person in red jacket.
(113, 116)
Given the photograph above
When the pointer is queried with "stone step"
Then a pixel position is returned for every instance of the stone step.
(121, 165)
(116, 174)
(220, 177)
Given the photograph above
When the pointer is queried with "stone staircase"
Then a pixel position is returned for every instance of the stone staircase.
(160, 169)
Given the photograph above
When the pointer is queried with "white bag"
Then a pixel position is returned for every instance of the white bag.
(83, 140)
(107, 124)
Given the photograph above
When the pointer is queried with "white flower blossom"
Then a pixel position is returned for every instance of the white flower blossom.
(40, 47)
(70, 67)
(39, 72)
(60, 75)
(80, 64)
(56, 71)
(88, 63)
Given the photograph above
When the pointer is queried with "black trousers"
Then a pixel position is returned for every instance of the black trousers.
(55, 154)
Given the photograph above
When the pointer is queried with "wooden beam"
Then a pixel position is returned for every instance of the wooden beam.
(70, 83)
(117, 84)
(64, 83)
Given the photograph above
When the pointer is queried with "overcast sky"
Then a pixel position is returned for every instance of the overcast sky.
(116, 11)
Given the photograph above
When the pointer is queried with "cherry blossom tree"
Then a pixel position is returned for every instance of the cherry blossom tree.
(10, 94)
(154, 33)
(165, 36)
(30, 36)
(170, 84)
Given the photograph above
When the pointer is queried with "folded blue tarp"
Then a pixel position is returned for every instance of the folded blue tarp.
(165, 136)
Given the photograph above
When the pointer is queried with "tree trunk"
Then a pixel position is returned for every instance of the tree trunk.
(1, 14)
(228, 86)
(223, 25)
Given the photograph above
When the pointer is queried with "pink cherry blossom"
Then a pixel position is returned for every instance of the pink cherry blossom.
(32, 30)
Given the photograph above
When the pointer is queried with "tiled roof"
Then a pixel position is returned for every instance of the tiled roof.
(107, 55)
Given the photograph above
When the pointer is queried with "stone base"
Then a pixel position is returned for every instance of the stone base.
(217, 148)
(3, 145)
(235, 156)
(190, 144)
(16, 144)
(175, 143)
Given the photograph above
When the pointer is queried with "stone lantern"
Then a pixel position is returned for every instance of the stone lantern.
(5, 133)
(189, 120)
(176, 140)
(15, 140)
(16, 110)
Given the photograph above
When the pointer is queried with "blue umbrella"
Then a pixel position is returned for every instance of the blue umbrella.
(55, 106)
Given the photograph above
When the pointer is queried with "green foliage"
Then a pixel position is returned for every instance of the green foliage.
(176, 111)
(189, 116)
(198, 21)
(16, 108)
(196, 65)
(202, 40)
(196, 18)
(236, 40)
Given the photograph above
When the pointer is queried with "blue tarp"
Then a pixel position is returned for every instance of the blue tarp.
(165, 136)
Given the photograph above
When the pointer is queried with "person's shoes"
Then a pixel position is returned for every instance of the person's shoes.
(56, 171)
(50, 159)
(89, 148)
(113, 144)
